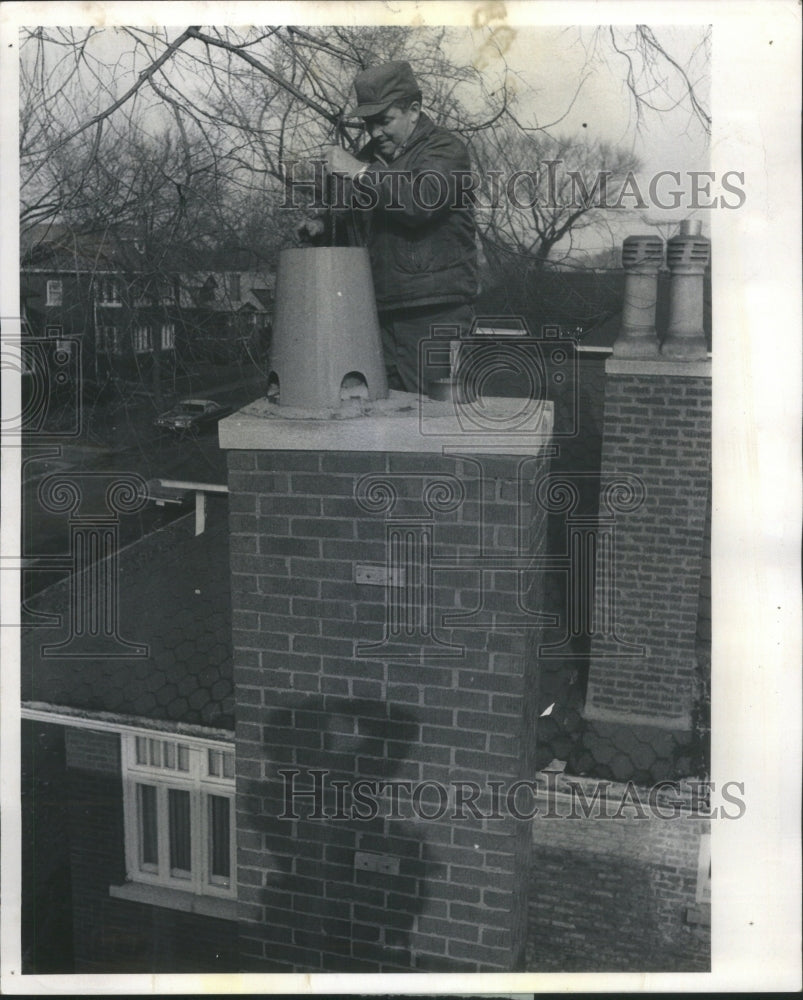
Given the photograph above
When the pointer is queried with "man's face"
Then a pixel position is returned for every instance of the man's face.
(392, 127)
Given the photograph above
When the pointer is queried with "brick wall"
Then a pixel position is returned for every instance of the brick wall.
(656, 427)
(46, 917)
(615, 895)
(307, 697)
(115, 935)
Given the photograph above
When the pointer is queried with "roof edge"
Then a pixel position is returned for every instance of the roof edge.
(66, 715)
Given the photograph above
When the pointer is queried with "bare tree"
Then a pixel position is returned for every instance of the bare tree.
(259, 97)
(177, 140)
(553, 189)
(657, 76)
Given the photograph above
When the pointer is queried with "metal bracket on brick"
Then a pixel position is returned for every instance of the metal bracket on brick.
(363, 861)
(379, 576)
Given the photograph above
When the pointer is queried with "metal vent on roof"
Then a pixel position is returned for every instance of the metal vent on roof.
(642, 249)
(687, 250)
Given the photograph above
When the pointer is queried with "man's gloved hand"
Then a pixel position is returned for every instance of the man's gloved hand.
(338, 161)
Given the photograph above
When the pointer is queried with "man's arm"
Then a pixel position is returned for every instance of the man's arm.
(439, 180)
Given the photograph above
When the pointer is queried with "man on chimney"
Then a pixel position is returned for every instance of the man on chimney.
(408, 189)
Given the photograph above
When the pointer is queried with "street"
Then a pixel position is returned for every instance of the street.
(57, 473)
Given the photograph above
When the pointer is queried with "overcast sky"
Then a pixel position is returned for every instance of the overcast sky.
(572, 79)
(548, 65)
(553, 62)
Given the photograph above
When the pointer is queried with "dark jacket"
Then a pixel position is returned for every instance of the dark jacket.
(420, 255)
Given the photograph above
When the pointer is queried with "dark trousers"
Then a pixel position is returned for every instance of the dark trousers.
(415, 343)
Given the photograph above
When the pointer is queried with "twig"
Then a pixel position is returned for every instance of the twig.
(145, 75)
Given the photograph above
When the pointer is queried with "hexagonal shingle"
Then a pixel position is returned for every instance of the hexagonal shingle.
(186, 634)
(222, 688)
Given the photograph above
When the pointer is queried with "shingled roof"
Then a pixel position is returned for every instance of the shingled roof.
(174, 599)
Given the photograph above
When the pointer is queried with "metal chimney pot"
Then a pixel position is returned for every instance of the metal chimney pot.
(687, 256)
(326, 327)
(642, 257)
(691, 227)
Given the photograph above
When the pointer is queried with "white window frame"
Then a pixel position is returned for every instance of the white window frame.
(110, 292)
(108, 339)
(168, 336)
(143, 339)
(200, 784)
(54, 292)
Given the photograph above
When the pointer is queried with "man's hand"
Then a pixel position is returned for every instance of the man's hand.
(338, 161)
(311, 231)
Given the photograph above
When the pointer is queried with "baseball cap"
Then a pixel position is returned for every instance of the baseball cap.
(379, 86)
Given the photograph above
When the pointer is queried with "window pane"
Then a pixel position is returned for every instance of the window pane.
(142, 750)
(219, 836)
(183, 757)
(228, 765)
(214, 763)
(148, 833)
(170, 754)
(156, 752)
(168, 336)
(178, 803)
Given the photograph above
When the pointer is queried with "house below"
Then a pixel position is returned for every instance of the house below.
(133, 321)
(390, 600)
(136, 758)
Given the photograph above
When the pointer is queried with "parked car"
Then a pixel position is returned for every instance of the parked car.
(192, 415)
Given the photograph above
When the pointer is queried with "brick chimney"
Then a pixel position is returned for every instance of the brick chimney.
(381, 639)
(657, 429)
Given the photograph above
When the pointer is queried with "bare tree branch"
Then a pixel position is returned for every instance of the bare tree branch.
(145, 75)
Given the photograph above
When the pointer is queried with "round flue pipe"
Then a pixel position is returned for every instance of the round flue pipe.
(326, 327)
(691, 227)
(687, 255)
(642, 257)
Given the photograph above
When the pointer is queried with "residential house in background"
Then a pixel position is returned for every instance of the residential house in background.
(230, 313)
(136, 323)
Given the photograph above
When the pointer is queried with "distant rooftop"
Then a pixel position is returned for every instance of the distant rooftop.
(55, 246)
